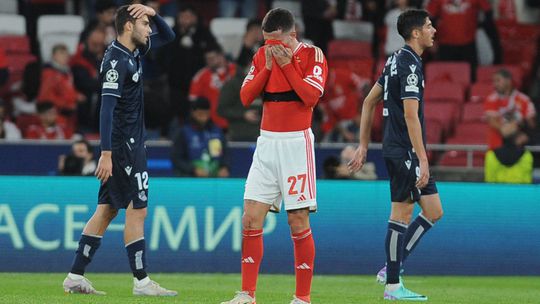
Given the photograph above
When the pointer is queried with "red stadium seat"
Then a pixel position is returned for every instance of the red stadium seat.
(521, 53)
(24, 121)
(15, 44)
(457, 72)
(470, 133)
(479, 91)
(459, 159)
(434, 131)
(516, 31)
(445, 91)
(361, 67)
(16, 65)
(349, 49)
(473, 112)
(484, 74)
(446, 113)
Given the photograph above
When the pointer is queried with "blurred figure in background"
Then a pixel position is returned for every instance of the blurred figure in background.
(245, 8)
(25, 96)
(456, 23)
(508, 111)
(208, 81)
(4, 71)
(85, 68)
(510, 163)
(244, 123)
(49, 127)
(8, 130)
(184, 57)
(318, 16)
(104, 20)
(58, 87)
(253, 39)
(80, 161)
(336, 168)
(394, 41)
(199, 148)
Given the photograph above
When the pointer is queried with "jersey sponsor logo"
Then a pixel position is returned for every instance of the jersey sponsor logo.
(302, 198)
(110, 85)
(303, 266)
(408, 163)
(248, 260)
(128, 170)
(114, 63)
(412, 83)
(111, 75)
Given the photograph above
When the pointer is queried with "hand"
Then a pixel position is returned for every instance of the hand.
(139, 10)
(358, 160)
(268, 57)
(81, 98)
(223, 172)
(282, 55)
(423, 179)
(252, 116)
(104, 167)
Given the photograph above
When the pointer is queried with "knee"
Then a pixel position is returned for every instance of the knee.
(251, 222)
(298, 222)
(112, 214)
(138, 214)
(437, 216)
(107, 214)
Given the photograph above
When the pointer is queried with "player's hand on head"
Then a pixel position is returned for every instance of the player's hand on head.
(282, 55)
(139, 10)
(423, 179)
(104, 168)
(358, 161)
(268, 56)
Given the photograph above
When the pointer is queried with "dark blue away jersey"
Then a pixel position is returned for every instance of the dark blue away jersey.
(402, 78)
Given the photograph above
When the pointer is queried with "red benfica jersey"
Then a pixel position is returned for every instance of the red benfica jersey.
(305, 76)
(517, 106)
(207, 84)
(458, 19)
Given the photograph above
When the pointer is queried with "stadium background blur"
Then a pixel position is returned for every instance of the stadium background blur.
(194, 223)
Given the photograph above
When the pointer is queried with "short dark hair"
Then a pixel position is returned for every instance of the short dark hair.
(504, 73)
(86, 143)
(44, 106)
(122, 17)
(410, 20)
(278, 19)
(59, 47)
(252, 23)
(200, 103)
(103, 5)
(213, 47)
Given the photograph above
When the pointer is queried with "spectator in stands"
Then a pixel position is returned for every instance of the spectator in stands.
(209, 80)
(32, 9)
(510, 163)
(184, 57)
(199, 148)
(85, 68)
(104, 20)
(394, 41)
(25, 97)
(244, 123)
(456, 23)
(4, 71)
(8, 130)
(49, 127)
(246, 8)
(318, 16)
(80, 161)
(509, 112)
(253, 39)
(58, 87)
(336, 168)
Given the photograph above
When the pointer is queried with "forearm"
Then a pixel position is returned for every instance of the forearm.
(253, 88)
(368, 110)
(415, 135)
(309, 94)
(108, 103)
(164, 34)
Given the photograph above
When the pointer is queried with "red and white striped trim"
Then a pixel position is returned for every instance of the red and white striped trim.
(310, 165)
(302, 236)
(314, 84)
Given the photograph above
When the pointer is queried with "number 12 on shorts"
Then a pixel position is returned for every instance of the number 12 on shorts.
(293, 179)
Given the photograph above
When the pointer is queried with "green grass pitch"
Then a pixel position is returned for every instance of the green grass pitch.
(213, 288)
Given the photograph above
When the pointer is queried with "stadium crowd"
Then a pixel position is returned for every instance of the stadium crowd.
(483, 78)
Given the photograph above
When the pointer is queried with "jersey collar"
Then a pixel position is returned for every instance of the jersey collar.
(409, 50)
(124, 49)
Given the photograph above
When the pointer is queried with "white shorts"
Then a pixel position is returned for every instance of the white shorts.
(283, 169)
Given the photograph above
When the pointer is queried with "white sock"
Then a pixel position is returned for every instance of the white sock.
(392, 287)
(142, 282)
(74, 276)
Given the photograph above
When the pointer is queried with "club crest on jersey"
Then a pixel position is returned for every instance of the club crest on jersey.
(111, 75)
(412, 83)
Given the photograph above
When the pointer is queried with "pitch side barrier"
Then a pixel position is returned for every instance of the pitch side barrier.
(194, 225)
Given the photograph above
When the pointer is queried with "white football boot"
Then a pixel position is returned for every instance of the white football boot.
(75, 283)
(147, 287)
(242, 297)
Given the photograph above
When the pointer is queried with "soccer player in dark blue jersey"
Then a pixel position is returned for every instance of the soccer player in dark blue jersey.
(122, 166)
(401, 87)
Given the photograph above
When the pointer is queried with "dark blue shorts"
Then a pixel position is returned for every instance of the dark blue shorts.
(403, 174)
(129, 182)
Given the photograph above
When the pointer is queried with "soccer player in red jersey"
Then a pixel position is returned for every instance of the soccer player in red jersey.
(291, 77)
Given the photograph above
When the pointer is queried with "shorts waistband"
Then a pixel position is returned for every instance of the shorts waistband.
(292, 134)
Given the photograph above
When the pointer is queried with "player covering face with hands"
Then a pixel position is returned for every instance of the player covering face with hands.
(401, 88)
(122, 165)
(290, 76)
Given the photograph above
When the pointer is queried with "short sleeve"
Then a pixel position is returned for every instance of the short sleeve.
(317, 70)
(410, 80)
(113, 75)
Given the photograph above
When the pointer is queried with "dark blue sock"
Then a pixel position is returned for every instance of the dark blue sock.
(137, 258)
(83, 256)
(414, 233)
(394, 250)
